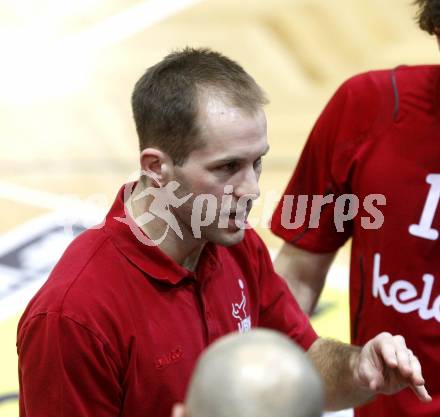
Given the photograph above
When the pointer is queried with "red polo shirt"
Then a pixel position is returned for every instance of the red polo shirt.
(118, 326)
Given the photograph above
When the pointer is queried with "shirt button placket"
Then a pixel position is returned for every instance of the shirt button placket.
(209, 318)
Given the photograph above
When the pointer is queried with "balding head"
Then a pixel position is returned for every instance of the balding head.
(259, 374)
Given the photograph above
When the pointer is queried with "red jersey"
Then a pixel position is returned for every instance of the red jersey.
(380, 135)
(117, 328)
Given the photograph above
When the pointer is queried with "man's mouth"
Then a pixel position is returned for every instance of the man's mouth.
(241, 211)
(238, 219)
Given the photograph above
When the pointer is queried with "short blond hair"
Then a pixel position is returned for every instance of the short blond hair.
(165, 99)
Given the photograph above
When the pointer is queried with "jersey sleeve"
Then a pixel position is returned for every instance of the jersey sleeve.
(324, 170)
(65, 370)
(278, 307)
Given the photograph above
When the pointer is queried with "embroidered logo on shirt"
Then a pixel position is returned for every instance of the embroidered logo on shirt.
(239, 312)
(162, 361)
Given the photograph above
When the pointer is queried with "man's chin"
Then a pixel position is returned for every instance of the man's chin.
(228, 237)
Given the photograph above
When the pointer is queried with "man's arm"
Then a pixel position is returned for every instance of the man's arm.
(304, 272)
(353, 375)
(66, 370)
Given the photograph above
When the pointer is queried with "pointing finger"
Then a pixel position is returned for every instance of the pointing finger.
(417, 376)
(421, 393)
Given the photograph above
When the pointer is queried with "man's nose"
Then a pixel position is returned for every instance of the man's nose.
(248, 185)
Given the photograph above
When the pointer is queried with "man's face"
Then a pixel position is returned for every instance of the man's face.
(235, 142)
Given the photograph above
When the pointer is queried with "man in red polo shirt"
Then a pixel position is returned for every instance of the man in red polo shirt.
(119, 324)
(378, 139)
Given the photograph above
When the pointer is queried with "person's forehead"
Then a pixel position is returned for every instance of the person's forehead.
(225, 146)
(214, 102)
(225, 128)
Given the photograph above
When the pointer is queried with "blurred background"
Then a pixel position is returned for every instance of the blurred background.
(67, 140)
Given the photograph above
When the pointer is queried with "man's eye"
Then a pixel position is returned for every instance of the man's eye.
(230, 166)
(258, 162)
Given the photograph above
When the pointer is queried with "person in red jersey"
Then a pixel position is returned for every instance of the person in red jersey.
(118, 326)
(378, 143)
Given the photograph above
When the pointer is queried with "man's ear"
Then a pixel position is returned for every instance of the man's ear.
(157, 167)
(179, 411)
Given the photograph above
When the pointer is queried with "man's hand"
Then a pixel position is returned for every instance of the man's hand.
(353, 376)
(385, 365)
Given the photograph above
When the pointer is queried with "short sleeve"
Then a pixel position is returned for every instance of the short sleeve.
(278, 307)
(65, 370)
(325, 167)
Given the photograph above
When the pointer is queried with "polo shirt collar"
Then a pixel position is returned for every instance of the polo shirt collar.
(135, 245)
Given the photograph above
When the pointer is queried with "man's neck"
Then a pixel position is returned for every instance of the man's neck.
(192, 260)
(185, 252)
